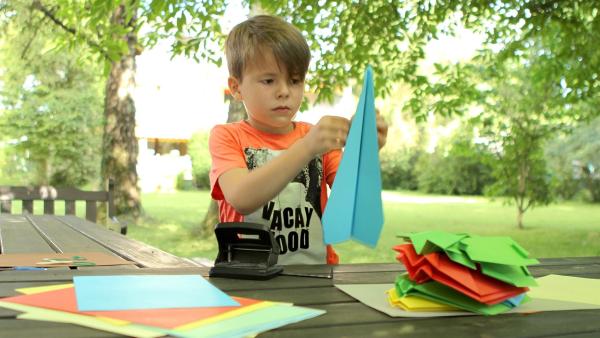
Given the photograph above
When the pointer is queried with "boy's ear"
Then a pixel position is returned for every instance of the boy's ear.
(234, 88)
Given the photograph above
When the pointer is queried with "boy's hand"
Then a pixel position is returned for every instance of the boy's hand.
(328, 134)
(382, 130)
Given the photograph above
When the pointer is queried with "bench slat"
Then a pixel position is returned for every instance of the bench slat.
(69, 207)
(5, 206)
(90, 211)
(48, 207)
(27, 207)
(48, 194)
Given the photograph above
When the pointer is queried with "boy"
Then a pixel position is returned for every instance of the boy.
(269, 169)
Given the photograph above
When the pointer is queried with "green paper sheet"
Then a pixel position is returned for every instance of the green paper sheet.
(430, 241)
(446, 295)
(514, 275)
(497, 249)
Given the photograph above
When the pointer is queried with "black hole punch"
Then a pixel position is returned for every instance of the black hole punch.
(246, 251)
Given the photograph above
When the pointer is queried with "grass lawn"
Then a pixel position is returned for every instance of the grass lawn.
(558, 230)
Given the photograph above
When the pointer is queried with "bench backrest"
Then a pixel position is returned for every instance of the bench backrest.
(48, 194)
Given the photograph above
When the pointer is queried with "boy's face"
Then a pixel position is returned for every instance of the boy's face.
(270, 95)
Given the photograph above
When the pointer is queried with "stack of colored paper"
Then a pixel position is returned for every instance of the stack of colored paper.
(485, 275)
(154, 306)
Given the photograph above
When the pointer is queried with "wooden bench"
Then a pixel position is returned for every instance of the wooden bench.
(48, 194)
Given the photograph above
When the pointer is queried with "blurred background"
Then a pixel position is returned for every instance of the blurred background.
(492, 107)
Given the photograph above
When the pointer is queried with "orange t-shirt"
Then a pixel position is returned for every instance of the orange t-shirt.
(294, 215)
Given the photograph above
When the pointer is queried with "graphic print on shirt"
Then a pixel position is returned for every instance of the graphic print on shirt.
(295, 214)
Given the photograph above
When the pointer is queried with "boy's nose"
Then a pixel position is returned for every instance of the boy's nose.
(284, 90)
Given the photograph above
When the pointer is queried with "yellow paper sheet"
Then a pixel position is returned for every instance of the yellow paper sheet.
(567, 288)
(412, 303)
(45, 288)
(35, 313)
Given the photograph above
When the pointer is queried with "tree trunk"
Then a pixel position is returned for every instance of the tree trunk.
(520, 218)
(522, 193)
(120, 147)
(237, 112)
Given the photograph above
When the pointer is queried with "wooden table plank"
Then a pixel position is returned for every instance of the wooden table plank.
(310, 297)
(66, 238)
(345, 316)
(580, 323)
(130, 249)
(20, 236)
(32, 328)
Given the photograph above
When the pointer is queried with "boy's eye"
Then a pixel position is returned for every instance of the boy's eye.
(296, 81)
(267, 81)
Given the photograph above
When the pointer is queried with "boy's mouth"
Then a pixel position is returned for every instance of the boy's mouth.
(282, 109)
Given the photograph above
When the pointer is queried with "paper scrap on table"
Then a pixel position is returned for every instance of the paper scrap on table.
(354, 209)
(61, 259)
(105, 293)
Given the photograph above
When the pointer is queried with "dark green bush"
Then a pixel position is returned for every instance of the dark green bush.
(198, 150)
(459, 168)
(397, 169)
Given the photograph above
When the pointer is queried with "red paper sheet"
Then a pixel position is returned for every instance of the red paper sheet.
(65, 300)
(440, 268)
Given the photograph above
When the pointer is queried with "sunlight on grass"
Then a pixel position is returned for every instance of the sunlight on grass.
(171, 223)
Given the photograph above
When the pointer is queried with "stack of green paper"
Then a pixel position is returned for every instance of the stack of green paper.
(499, 258)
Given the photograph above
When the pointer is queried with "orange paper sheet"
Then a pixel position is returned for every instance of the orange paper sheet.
(37, 259)
(65, 300)
(440, 268)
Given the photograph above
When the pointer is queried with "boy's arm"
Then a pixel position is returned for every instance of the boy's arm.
(248, 190)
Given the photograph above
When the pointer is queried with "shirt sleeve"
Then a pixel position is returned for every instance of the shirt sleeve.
(331, 162)
(226, 153)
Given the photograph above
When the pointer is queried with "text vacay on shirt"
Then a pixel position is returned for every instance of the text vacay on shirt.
(297, 220)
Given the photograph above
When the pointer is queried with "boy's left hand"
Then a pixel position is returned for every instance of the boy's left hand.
(382, 129)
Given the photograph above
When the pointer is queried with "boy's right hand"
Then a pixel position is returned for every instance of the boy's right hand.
(328, 134)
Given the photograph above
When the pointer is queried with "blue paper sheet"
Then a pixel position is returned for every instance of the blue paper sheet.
(105, 293)
(354, 209)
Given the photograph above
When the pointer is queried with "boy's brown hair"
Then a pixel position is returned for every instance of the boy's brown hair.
(249, 39)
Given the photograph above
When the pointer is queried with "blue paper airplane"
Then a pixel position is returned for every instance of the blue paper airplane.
(354, 209)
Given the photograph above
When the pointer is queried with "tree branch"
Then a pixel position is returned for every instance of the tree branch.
(37, 4)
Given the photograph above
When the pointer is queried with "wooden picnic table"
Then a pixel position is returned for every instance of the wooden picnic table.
(345, 316)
